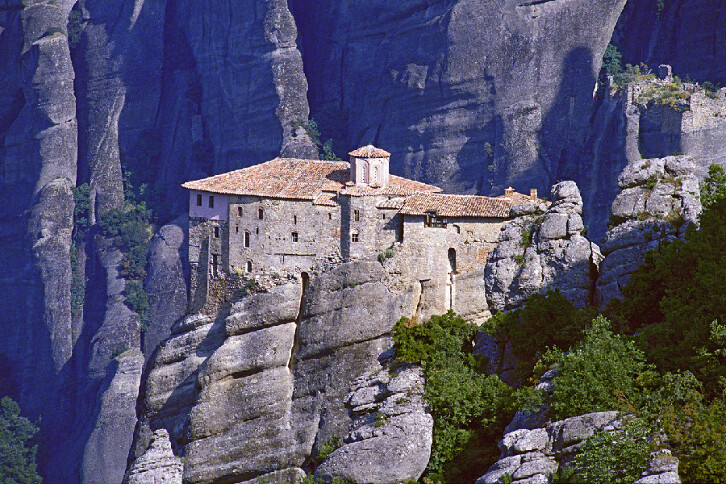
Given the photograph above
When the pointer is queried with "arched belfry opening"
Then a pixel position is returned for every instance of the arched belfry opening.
(451, 280)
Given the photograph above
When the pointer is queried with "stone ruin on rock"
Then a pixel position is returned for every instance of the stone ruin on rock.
(288, 217)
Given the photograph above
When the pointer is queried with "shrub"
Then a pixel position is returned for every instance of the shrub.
(526, 240)
(328, 447)
(469, 408)
(617, 457)
(599, 374)
(386, 254)
(17, 446)
(82, 212)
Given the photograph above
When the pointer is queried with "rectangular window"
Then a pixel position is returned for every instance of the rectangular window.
(356, 215)
(294, 219)
(354, 237)
(216, 232)
(433, 220)
(211, 201)
(239, 211)
(294, 236)
(215, 265)
(260, 214)
(247, 239)
(199, 199)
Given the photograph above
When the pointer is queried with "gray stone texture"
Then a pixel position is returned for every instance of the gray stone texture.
(390, 434)
(644, 35)
(157, 465)
(659, 199)
(501, 83)
(541, 250)
(266, 379)
(534, 455)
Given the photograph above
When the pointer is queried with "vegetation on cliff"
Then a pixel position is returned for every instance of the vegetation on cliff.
(17, 446)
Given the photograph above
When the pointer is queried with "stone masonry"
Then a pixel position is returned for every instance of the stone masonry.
(288, 217)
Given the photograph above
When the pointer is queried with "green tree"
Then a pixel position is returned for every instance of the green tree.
(612, 61)
(713, 187)
(470, 408)
(17, 447)
(603, 372)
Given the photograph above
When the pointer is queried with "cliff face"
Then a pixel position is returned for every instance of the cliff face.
(690, 35)
(267, 379)
(471, 95)
(451, 88)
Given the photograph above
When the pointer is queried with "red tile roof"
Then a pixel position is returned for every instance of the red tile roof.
(457, 205)
(299, 179)
(369, 151)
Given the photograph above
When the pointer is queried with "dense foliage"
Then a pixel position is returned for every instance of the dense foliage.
(17, 446)
(551, 317)
(470, 408)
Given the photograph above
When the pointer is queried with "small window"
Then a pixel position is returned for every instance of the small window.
(260, 214)
(239, 211)
(294, 219)
(294, 236)
(249, 266)
(356, 215)
(383, 216)
(211, 201)
(247, 239)
(257, 230)
(330, 216)
(354, 237)
(215, 265)
(199, 199)
(216, 232)
(433, 220)
(236, 229)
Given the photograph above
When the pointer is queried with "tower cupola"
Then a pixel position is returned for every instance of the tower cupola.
(369, 166)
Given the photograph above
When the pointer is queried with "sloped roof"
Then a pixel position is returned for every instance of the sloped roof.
(457, 205)
(369, 151)
(299, 179)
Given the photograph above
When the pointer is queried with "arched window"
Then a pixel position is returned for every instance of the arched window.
(364, 174)
(374, 178)
(260, 214)
(247, 239)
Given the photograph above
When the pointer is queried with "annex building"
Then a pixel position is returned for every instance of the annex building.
(292, 216)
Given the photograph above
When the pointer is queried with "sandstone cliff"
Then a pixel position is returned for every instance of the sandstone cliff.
(267, 380)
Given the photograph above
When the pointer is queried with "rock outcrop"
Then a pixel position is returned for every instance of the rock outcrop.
(391, 432)
(543, 249)
(534, 455)
(659, 199)
(157, 465)
(266, 380)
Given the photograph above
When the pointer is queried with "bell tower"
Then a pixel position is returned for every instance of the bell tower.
(369, 166)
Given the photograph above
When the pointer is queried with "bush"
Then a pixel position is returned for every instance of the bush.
(17, 447)
(82, 212)
(551, 317)
(600, 373)
(469, 408)
(138, 301)
(328, 447)
(613, 457)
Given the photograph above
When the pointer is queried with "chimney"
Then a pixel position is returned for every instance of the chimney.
(533, 193)
(508, 192)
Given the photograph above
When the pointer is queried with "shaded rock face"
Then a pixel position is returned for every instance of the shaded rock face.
(659, 199)
(493, 86)
(267, 380)
(628, 126)
(543, 249)
(690, 35)
(391, 433)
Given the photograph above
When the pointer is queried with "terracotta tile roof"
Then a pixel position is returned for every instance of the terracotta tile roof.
(369, 151)
(278, 178)
(326, 198)
(395, 203)
(298, 179)
(397, 186)
(517, 198)
(457, 205)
